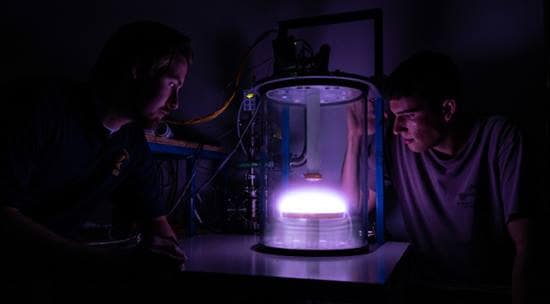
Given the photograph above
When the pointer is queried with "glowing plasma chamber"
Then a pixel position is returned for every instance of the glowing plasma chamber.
(312, 219)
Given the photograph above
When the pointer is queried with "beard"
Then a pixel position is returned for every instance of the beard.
(138, 113)
(150, 124)
(147, 122)
(141, 94)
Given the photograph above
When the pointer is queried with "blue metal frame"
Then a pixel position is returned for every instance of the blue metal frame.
(379, 154)
(191, 227)
(184, 151)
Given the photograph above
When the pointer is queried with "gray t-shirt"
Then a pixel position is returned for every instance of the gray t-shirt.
(456, 210)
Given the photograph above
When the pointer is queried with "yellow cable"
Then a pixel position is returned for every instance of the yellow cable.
(227, 102)
(213, 115)
(209, 117)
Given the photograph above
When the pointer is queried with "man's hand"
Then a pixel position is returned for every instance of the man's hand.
(157, 256)
(169, 247)
(355, 118)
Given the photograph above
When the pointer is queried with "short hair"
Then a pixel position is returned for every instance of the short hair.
(429, 76)
(149, 45)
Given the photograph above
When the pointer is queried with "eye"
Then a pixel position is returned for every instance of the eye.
(172, 84)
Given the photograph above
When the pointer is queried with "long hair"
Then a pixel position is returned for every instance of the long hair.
(145, 47)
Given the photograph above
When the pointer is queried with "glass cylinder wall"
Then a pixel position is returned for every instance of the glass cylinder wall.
(305, 206)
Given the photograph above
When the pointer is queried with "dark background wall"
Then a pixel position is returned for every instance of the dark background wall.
(498, 44)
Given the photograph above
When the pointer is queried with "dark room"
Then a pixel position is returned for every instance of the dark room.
(290, 151)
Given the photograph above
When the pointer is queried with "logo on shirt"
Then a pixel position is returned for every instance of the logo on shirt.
(467, 198)
(120, 160)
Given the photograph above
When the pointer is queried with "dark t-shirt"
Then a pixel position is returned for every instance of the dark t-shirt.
(456, 210)
(59, 162)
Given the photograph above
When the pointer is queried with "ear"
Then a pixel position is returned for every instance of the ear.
(448, 109)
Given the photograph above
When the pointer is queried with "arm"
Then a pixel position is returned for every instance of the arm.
(162, 228)
(350, 180)
(143, 187)
(519, 232)
(24, 238)
(517, 192)
(28, 241)
(158, 235)
(350, 173)
(165, 241)
(350, 169)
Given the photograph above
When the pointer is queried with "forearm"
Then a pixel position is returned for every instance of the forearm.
(165, 240)
(520, 232)
(350, 172)
(519, 278)
(24, 236)
(161, 227)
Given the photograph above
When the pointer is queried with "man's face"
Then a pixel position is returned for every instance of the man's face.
(418, 126)
(161, 97)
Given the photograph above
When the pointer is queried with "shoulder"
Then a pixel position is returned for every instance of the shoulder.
(499, 127)
(497, 122)
(502, 135)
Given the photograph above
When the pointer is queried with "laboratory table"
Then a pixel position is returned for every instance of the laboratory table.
(232, 270)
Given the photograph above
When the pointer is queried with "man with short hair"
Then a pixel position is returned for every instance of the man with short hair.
(460, 182)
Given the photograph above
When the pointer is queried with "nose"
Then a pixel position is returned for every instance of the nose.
(172, 103)
(398, 126)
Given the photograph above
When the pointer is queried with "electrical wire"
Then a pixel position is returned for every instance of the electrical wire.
(223, 135)
(189, 180)
(241, 106)
(227, 102)
(239, 111)
(184, 196)
(261, 63)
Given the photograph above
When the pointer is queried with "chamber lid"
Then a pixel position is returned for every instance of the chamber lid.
(334, 89)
